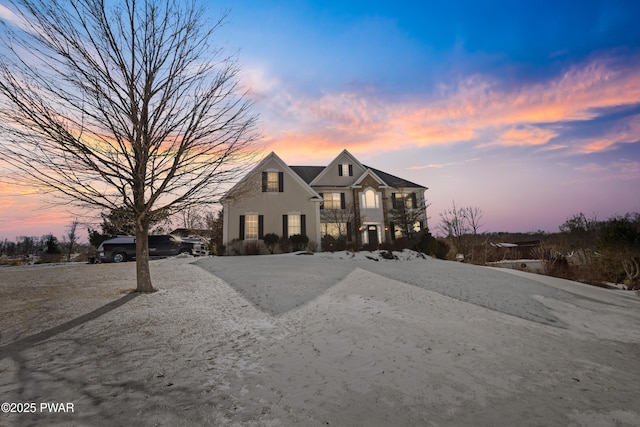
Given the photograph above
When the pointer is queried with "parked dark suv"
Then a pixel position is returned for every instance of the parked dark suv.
(123, 248)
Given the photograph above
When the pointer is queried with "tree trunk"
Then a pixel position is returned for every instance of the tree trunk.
(143, 273)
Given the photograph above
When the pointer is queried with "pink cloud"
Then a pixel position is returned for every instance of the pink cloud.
(627, 132)
(474, 109)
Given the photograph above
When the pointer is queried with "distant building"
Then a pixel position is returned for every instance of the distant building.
(518, 250)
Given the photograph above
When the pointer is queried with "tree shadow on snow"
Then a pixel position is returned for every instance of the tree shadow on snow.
(32, 340)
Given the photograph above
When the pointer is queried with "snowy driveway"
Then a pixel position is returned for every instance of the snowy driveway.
(279, 283)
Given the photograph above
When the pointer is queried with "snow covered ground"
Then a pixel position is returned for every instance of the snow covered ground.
(325, 339)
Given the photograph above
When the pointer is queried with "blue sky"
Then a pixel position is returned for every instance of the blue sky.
(528, 110)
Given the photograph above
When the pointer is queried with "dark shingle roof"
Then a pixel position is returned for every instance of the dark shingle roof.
(309, 173)
(394, 181)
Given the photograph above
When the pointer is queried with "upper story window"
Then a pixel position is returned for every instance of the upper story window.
(369, 199)
(345, 169)
(333, 201)
(272, 182)
(406, 201)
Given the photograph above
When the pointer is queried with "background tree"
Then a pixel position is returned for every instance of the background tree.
(461, 226)
(214, 224)
(71, 239)
(619, 247)
(52, 245)
(125, 106)
(579, 236)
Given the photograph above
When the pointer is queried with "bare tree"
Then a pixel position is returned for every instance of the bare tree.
(339, 218)
(473, 216)
(126, 106)
(192, 218)
(453, 224)
(71, 239)
(461, 226)
(407, 210)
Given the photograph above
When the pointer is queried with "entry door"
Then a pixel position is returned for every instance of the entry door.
(373, 234)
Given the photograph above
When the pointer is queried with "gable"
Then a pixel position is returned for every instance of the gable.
(252, 184)
(369, 179)
(343, 171)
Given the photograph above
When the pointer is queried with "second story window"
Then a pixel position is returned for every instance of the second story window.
(333, 201)
(404, 201)
(370, 199)
(272, 182)
(345, 169)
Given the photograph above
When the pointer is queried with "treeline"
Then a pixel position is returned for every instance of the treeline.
(598, 251)
(46, 246)
(586, 249)
(43, 249)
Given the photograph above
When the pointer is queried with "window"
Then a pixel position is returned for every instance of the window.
(251, 227)
(406, 201)
(333, 201)
(294, 226)
(272, 182)
(334, 229)
(370, 199)
(345, 169)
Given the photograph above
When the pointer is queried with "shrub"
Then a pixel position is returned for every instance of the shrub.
(235, 247)
(370, 247)
(254, 247)
(246, 247)
(284, 245)
(49, 258)
(442, 249)
(299, 242)
(328, 243)
(5, 260)
(312, 246)
(425, 243)
(351, 247)
(271, 241)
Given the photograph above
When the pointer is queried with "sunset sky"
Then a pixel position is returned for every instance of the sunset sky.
(528, 110)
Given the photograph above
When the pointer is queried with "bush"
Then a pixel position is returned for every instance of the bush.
(312, 246)
(425, 243)
(271, 241)
(442, 249)
(328, 243)
(235, 247)
(254, 247)
(50, 258)
(558, 266)
(5, 260)
(285, 245)
(246, 247)
(299, 242)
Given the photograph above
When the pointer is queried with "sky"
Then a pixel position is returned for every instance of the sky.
(529, 110)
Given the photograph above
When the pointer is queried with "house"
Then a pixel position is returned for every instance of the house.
(347, 199)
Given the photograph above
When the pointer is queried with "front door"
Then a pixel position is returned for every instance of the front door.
(373, 234)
